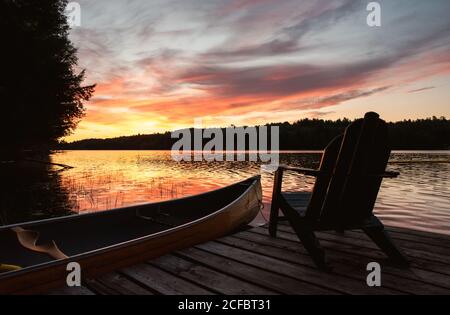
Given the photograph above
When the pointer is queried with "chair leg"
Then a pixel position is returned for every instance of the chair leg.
(380, 237)
(273, 223)
(312, 246)
(275, 208)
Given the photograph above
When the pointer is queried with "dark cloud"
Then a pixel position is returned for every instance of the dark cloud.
(317, 16)
(289, 79)
(271, 48)
(282, 80)
(336, 98)
(322, 16)
(422, 89)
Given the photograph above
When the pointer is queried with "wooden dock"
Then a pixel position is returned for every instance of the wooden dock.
(251, 263)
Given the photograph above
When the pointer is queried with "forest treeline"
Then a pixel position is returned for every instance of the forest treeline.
(306, 134)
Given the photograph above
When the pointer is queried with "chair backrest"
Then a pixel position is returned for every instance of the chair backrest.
(326, 167)
(352, 187)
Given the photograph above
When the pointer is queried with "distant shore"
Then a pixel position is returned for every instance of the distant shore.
(306, 134)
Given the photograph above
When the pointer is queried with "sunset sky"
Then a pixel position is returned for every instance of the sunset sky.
(159, 65)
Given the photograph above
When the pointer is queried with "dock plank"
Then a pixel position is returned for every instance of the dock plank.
(352, 259)
(251, 262)
(397, 235)
(263, 278)
(214, 280)
(409, 234)
(421, 234)
(117, 284)
(402, 281)
(72, 291)
(162, 282)
(432, 251)
(339, 242)
(310, 275)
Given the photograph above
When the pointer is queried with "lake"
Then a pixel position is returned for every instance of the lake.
(101, 180)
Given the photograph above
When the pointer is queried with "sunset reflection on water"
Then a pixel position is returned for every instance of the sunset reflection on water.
(102, 180)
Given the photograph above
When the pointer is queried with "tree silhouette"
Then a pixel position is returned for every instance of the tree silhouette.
(41, 92)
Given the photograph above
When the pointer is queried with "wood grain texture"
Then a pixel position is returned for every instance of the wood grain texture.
(252, 262)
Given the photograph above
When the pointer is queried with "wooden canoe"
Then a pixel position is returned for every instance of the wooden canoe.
(105, 241)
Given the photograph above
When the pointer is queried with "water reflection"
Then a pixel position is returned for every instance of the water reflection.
(420, 197)
(32, 191)
(107, 179)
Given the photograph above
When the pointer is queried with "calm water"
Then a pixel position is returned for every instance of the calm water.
(101, 180)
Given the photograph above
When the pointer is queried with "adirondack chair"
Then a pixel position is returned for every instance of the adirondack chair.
(347, 183)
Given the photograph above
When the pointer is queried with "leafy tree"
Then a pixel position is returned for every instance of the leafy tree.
(41, 92)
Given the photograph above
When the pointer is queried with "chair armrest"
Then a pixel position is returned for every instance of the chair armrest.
(386, 175)
(305, 171)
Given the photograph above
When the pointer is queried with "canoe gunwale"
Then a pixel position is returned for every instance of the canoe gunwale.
(252, 184)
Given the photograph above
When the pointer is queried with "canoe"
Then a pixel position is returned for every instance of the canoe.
(35, 255)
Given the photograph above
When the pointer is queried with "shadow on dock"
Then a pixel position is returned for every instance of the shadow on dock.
(251, 263)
